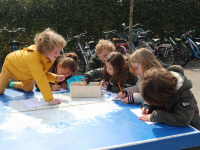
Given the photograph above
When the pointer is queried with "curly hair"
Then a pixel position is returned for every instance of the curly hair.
(104, 44)
(158, 85)
(145, 58)
(47, 40)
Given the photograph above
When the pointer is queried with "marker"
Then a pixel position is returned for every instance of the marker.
(143, 104)
(121, 89)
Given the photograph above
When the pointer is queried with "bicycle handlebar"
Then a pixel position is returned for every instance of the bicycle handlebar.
(149, 31)
(113, 31)
(13, 31)
(125, 28)
(187, 33)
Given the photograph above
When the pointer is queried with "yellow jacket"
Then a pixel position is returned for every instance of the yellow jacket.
(28, 64)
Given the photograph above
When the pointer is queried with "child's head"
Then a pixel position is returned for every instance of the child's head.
(158, 86)
(66, 62)
(141, 61)
(115, 66)
(103, 48)
(49, 43)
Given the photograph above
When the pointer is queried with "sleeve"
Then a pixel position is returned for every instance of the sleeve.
(134, 89)
(41, 79)
(51, 77)
(181, 116)
(93, 74)
(92, 64)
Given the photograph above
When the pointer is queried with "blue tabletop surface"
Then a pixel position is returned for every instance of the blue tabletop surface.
(104, 125)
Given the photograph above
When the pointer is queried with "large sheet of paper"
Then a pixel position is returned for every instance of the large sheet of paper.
(35, 102)
(138, 113)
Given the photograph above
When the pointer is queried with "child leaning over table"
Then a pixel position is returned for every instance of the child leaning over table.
(115, 71)
(33, 63)
(170, 100)
(63, 65)
(139, 62)
(103, 48)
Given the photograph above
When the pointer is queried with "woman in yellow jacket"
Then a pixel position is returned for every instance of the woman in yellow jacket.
(33, 63)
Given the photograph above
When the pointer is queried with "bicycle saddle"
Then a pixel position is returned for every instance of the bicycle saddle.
(141, 37)
(156, 40)
(196, 39)
(116, 39)
(15, 42)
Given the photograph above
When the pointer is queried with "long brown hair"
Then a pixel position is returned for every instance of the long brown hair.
(117, 61)
(145, 58)
(68, 60)
(158, 85)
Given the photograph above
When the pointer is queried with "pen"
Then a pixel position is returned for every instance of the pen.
(70, 71)
(121, 89)
(143, 104)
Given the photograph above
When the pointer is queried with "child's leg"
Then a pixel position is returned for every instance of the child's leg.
(4, 79)
(28, 87)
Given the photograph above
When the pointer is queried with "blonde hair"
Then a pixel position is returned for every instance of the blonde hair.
(47, 40)
(104, 44)
(145, 58)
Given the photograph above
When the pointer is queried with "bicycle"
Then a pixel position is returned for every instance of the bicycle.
(194, 47)
(163, 52)
(14, 43)
(119, 47)
(84, 52)
(178, 48)
(138, 37)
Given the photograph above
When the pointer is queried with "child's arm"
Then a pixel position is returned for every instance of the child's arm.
(92, 75)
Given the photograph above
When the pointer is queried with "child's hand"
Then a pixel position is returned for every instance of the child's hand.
(105, 85)
(144, 112)
(120, 95)
(125, 100)
(54, 102)
(64, 85)
(60, 78)
(55, 87)
(145, 117)
(82, 83)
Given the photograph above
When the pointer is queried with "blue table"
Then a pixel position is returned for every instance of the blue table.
(83, 124)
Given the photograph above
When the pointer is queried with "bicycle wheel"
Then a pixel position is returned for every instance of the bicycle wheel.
(121, 49)
(182, 55)
(165, 56)
(81, 61)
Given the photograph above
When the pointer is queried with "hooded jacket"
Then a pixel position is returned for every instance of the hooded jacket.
(94, 63)
(29, 64)
(182, 110)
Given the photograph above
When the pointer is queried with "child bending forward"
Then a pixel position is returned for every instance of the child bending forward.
(170, 100)
(33, 63)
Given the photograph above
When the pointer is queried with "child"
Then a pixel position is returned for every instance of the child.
(103, 48)
(62, 66)
(115, 71)
(170, 100)
(139, 62)
(32, 63)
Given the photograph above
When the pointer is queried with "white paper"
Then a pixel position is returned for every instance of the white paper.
(138, 113)
(34, 102)
(61, 90)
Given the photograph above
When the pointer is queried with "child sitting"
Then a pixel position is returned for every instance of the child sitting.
(170, 100)
(62, 66)
(139, 62)
(103, 48)
(115, 71)
(32, 63)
